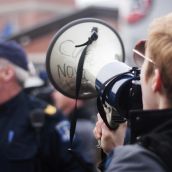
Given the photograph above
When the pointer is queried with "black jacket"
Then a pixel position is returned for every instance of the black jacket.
(24, 148)
(150, 149)
(153, 130)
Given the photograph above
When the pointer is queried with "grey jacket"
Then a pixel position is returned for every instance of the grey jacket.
(133, 158)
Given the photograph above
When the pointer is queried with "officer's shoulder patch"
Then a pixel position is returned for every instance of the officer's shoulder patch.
(63, 129)
(50, 110)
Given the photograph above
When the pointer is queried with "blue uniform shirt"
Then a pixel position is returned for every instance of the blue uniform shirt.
(25, 149)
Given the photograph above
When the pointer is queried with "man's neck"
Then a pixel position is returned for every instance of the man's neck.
(164, 103)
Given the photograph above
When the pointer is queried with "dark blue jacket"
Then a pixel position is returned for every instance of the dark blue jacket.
(25, 148)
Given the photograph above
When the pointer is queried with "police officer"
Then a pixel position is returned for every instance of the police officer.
(33, 136)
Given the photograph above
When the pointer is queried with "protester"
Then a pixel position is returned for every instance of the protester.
(34, 137)
(151, 128)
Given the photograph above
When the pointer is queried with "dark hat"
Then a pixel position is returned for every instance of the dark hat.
(13, 52)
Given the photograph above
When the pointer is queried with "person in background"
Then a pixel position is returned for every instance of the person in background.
(84, 141)
(34, 137)
(41, 91)
(151, 128)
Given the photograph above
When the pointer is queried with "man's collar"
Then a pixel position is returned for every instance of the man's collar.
(144, 122)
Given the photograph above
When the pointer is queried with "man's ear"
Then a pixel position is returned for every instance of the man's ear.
(8, 73)
(157, 81)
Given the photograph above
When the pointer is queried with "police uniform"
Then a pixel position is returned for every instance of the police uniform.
(28, 148)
